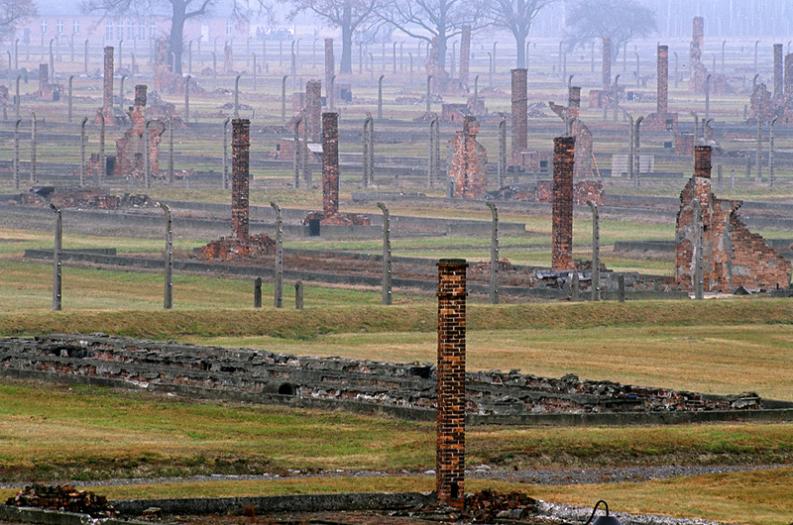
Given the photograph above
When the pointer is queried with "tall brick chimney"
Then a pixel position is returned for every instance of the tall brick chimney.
(330, 62)
(465, 54)
(240, 183)
(702, 162)
(778, 70)
(450, 385)
(562, 209)
(662, 106)
(574, 101)
(330, 164)
(520, 113)
(44, 79)
(606, 67)
(313, 115)
(107, 87)
(140, 95)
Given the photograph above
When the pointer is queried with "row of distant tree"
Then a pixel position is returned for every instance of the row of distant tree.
(434, 21)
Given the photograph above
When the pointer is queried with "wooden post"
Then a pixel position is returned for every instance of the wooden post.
(82, 151)
(278, 284)
(257, 292)
(57, 295)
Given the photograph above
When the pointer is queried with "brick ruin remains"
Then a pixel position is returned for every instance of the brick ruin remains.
(698, 72)
(333, 382)
(83, 198)
(562, 205)
(450, 384)
(733, 256)
(465, 54)
(468, 168)
(131, 147)
(241, 244)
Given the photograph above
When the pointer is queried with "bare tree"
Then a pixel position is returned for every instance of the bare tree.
(430, 20)
(181, 12)
(348, 15)
(12, 12)
(618, 20)
(516, 16)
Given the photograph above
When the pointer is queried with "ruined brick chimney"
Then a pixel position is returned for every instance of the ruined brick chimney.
(240, 182)
(313, 111)
(330, 164)
(562, 207)
(107, 86)
(520, 114)
(450, 384)
(702, 162)
(662, 105)
(606, 67)
(465, 54)
(779, 73)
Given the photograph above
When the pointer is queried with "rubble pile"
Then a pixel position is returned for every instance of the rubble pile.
(62, 497)
(84, 198)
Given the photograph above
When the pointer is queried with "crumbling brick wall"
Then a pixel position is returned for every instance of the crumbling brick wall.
(450, 383)
(131, 147)
(468, 168)
(330, 164)
(583, 192)
(697, 70)
(733, 256)
(562, 206)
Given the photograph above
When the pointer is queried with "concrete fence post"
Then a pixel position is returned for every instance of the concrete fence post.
(283, 97)
(299, 295)
(502, 152)
(33, 145)
(121, 94)
(146, 160)
(429, 95)
(631, 147)
(771, 148)
(621, 288)
(16, 153)
(187, 98)
(298, 153)
(380, 96)
(237, 96)
(278, 284)
(758, 157)
(57, 292)
(225, 174)
(170, 151)
(82, 151)
(637, 150)
(493, 289)
(387, 273)
(168, 285)
(432, 167)
(69, 95)
(575, 286)
(707, 96)
(254, 72)
(17, 99)
(368, 151)
(101, 174)
(85, 56)
(257, 292)
(595, 251)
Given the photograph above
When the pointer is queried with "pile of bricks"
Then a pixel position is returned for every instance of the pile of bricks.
(81, 198)
(62, 497)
